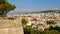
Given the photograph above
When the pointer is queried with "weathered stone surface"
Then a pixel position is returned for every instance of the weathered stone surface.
(11, 27)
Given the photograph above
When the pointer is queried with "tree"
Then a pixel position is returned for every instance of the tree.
(57, 28)
(51, 32)
(24, 22)
(5, 7)
(30, 30)
(51, 22)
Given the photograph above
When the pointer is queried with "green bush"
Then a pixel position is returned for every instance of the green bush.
(51, 22)
(30, 30)
(50, 32)
(24, 22)
(55, 28)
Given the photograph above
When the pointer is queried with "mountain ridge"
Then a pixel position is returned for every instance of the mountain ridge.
(46, 11)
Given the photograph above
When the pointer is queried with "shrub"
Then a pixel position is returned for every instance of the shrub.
(51, 22)
(24, 22)
(50, 32)
(29, 30)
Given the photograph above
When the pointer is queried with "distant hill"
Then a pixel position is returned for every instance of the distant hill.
(47, 11)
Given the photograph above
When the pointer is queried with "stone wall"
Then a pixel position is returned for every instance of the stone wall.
(11, 26)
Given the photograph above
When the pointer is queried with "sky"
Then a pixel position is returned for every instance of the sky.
(34, 5)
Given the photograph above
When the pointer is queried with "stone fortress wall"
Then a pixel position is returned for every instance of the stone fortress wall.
(11, 26)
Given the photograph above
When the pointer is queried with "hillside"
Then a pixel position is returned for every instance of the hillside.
(47, 11)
